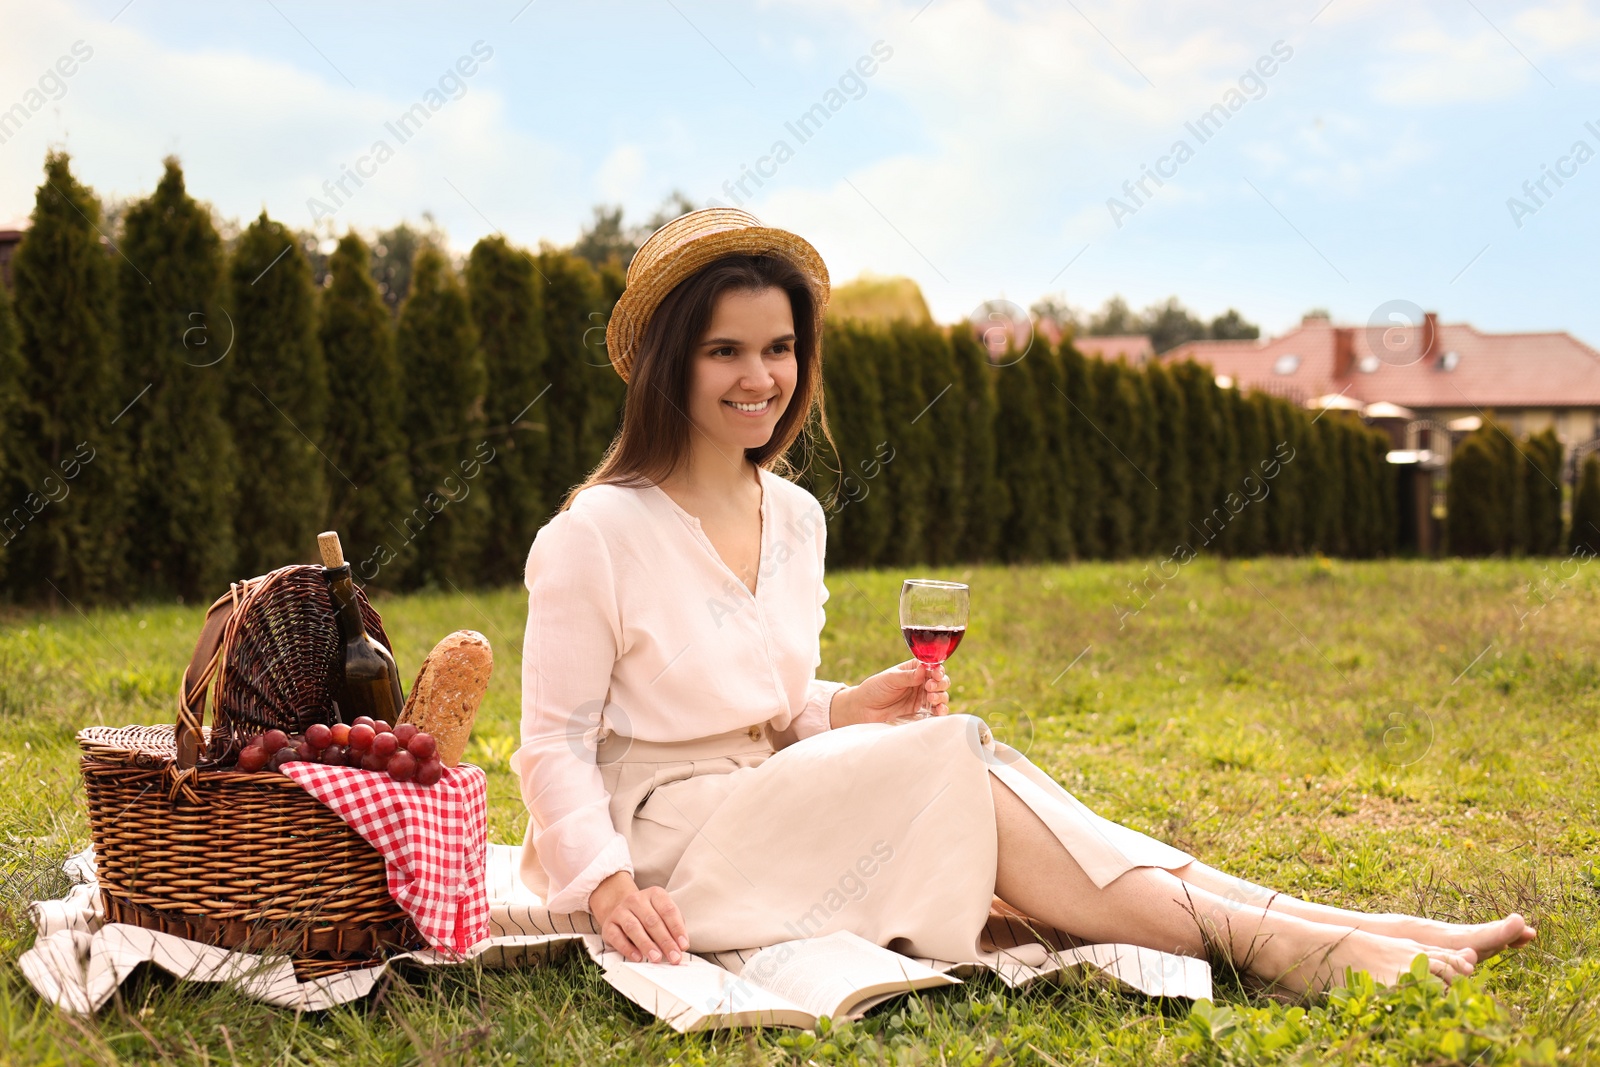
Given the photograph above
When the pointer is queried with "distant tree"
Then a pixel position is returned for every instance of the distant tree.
(446, 388)
(608, 239)
(70, 538)
(175, 338)
(1541, 474)
(1113, 318)
(1317, 313)
(278, 400)
(368, 446)
(394, 251)
(1057, 310)
(604, 238)
(1584, 536)
(509, 313)
(1231, 326)
(1170, 324)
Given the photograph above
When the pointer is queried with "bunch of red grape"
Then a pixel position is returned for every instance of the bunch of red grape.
(406, 753)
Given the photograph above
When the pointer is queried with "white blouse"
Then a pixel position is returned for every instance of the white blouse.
(637, 626)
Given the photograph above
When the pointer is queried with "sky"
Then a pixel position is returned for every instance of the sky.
(1269, 155)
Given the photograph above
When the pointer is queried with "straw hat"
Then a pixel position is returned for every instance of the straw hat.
(683, 246)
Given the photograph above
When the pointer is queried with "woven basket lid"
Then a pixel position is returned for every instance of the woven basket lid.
(683, 246)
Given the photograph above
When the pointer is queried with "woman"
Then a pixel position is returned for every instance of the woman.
(692, 784)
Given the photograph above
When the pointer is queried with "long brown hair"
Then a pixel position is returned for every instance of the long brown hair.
(654, 436)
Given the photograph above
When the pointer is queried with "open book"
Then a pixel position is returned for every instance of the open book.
(793, 983)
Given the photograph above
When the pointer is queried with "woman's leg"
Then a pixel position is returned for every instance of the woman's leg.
(1152, 907)
(1482, 939)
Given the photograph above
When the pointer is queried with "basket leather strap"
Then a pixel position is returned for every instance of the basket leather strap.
(197, 678)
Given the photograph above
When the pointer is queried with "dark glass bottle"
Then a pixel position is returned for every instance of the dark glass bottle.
(369, 682)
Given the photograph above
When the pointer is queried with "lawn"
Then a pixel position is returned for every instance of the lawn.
(1403, 735)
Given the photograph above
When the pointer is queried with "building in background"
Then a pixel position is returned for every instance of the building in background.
(1426, 385)
(10, 238)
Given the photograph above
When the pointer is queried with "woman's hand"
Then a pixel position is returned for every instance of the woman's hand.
(896, 693)
(639, 923)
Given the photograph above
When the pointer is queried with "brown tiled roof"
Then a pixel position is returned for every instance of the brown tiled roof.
(1500, 370)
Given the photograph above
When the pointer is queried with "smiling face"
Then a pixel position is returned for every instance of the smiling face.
(743, 369)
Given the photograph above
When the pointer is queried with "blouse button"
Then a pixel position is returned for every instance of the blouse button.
(755, 733)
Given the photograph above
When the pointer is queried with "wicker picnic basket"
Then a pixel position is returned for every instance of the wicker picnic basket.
(186, 843)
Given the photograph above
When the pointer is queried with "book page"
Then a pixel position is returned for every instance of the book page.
(836, 975)
(1154, 973)
(697, 994)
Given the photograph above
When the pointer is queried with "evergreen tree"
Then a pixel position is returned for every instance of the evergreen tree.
(1247, 531)
(945, 506)
(1124, 514)
(1144, 450)
(1170, 470)
(1056, 492)
(67, 525)
(278, 400)
(175, 338)
(606, 389)
(1541, 473)
(984, 496)
(371, 496)
(446, 384)
(1475, 499)
(1584, 536)
(909, 479)
(1387, 493)
(850, 483)
(509, 314)
(1201, 438)
(1021, 460)
(11, 447)
(1082, 470)
(576, 367)
(1331, 478)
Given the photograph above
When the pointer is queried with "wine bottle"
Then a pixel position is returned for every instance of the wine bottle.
(368, 682)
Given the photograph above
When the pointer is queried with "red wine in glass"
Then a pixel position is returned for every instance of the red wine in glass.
(933, 644)
(933, 619)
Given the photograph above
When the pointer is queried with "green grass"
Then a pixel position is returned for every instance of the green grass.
(1389, 736)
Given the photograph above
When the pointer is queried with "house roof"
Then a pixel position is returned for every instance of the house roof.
(1134, 347)
(1461, 367)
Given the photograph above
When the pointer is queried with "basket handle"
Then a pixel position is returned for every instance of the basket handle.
(197, 678)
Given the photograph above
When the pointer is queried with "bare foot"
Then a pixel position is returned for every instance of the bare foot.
(1485, 939)
(1315, 960)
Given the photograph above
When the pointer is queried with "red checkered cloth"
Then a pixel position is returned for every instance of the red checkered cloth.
(433, 839)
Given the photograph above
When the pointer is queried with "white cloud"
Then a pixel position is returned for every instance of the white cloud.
(621, 173)
(253, 132)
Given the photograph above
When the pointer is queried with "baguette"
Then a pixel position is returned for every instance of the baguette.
(445, 697)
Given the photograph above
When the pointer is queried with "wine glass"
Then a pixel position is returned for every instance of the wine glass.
(933, 618)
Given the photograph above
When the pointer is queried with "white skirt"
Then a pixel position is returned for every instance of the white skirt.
(886, 831)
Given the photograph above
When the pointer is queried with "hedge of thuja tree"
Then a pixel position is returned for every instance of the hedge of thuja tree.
(1504, 496)
(1066, 457)
(176, 412)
